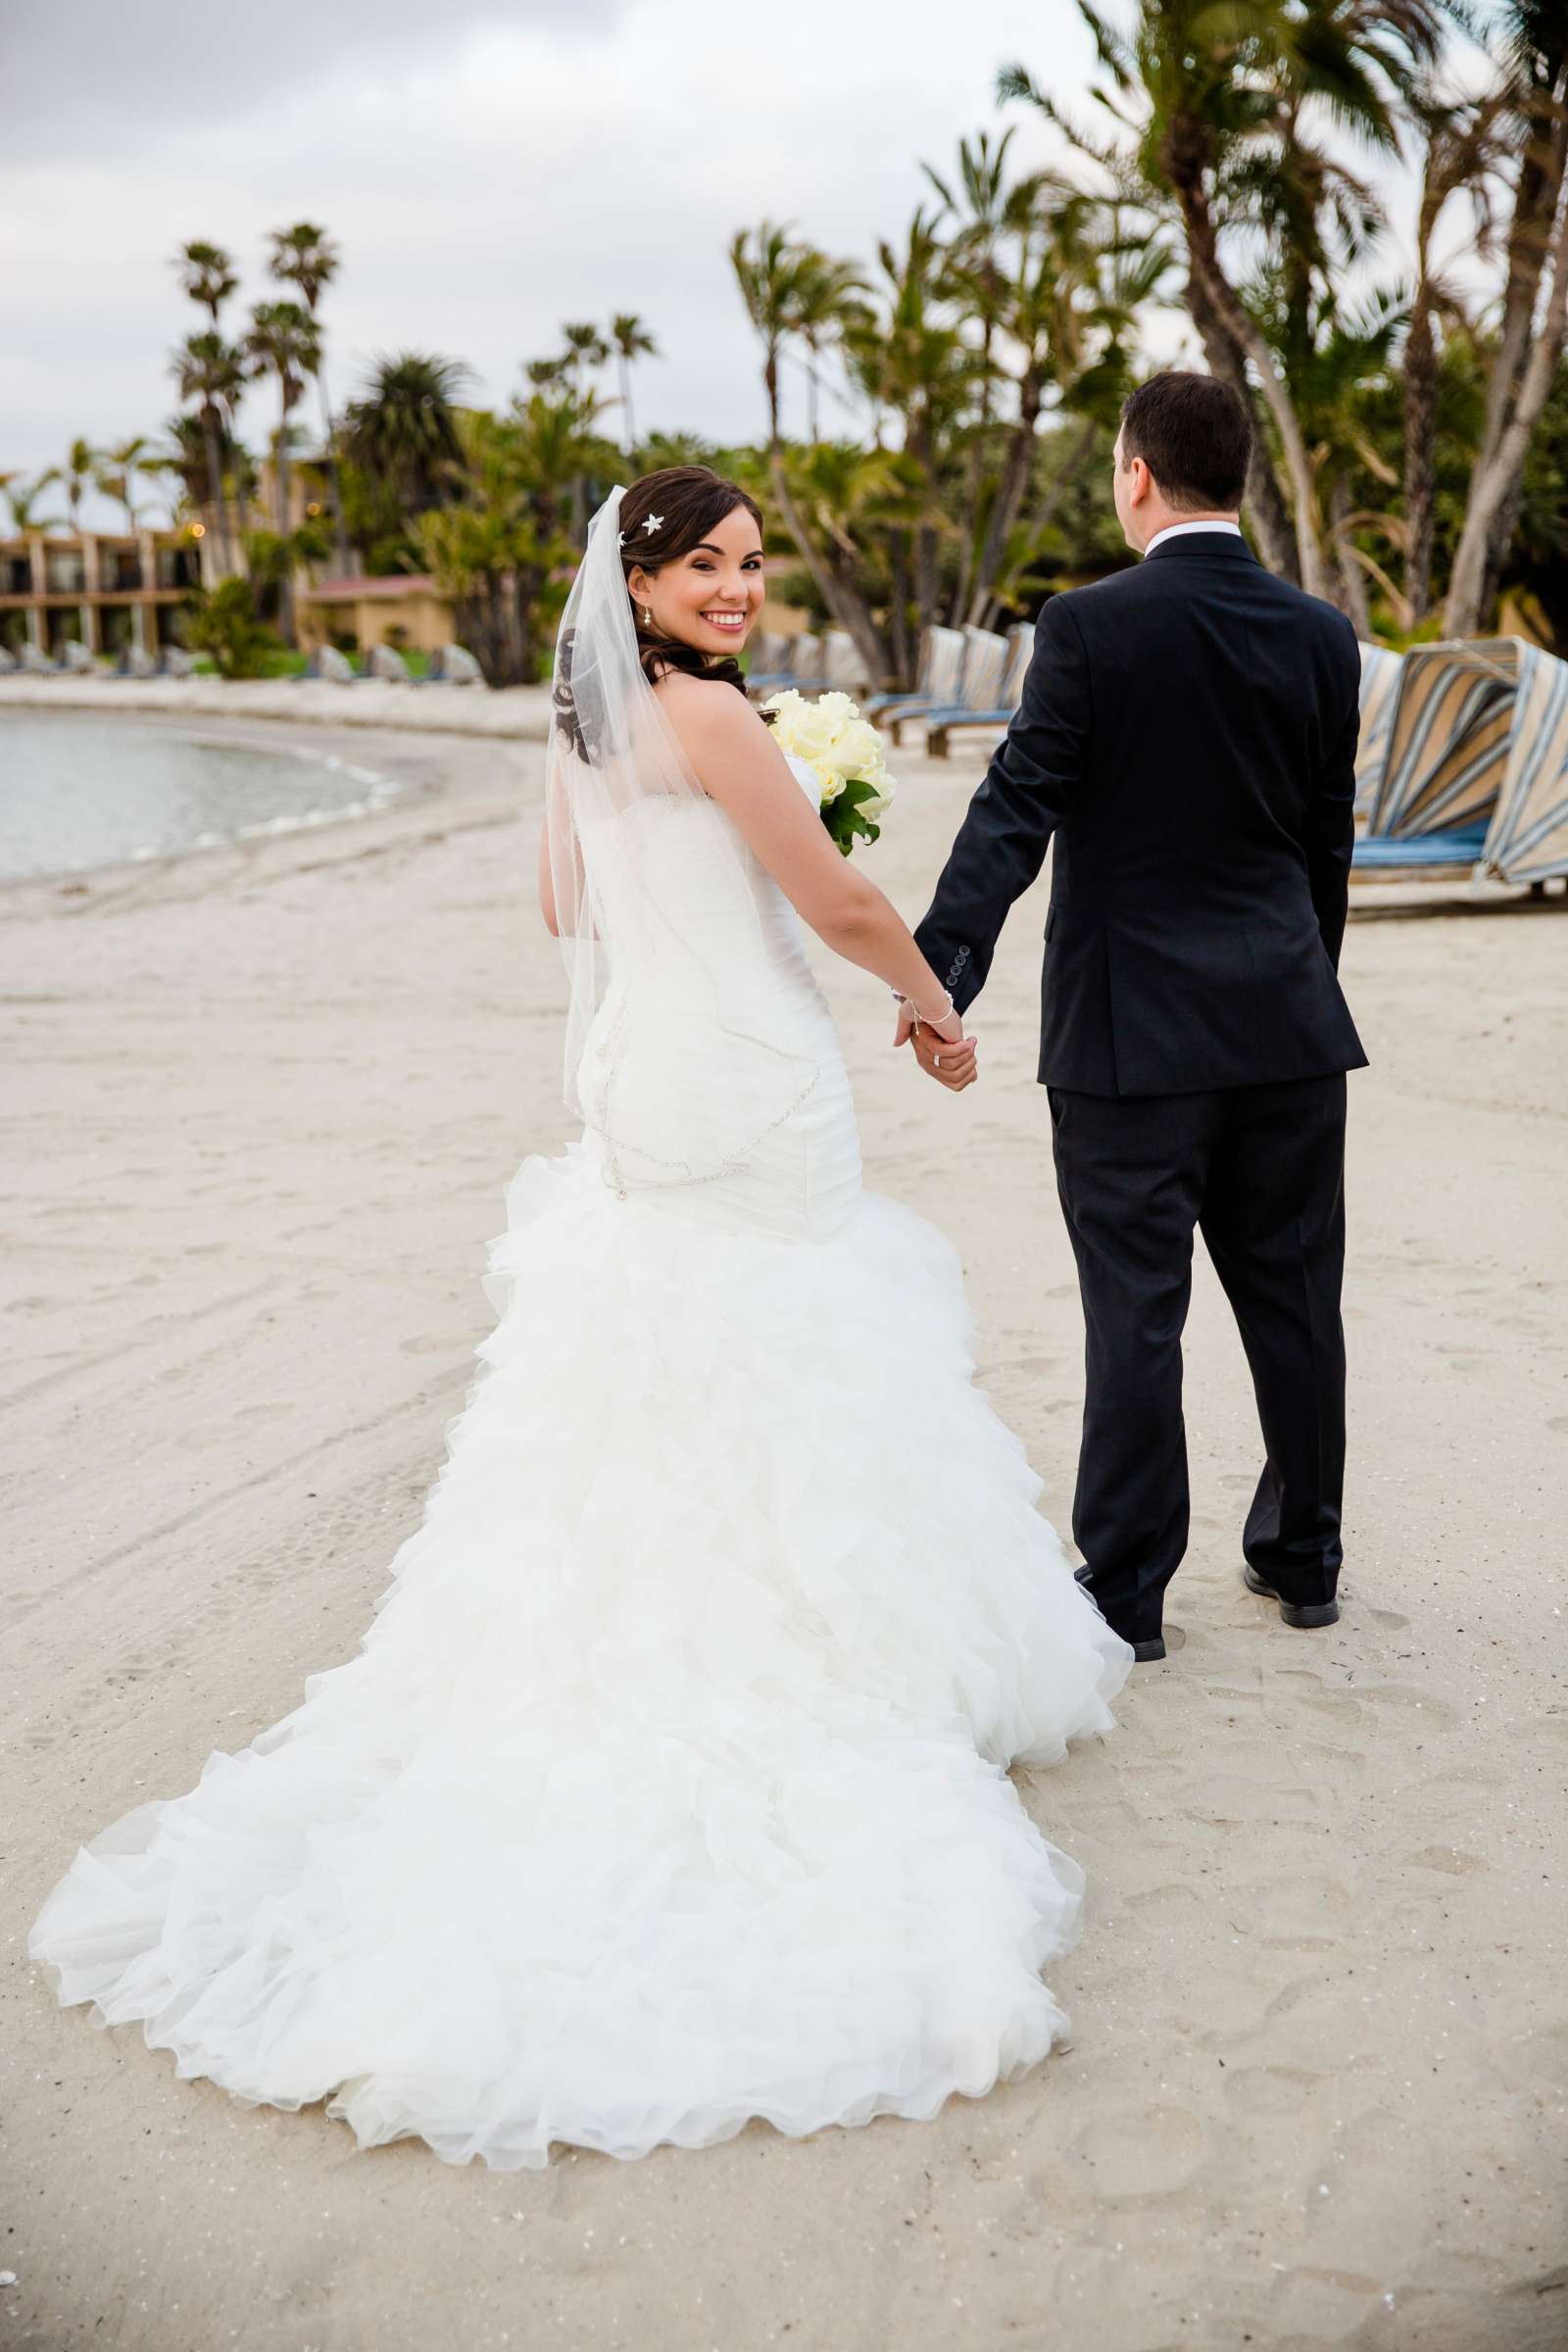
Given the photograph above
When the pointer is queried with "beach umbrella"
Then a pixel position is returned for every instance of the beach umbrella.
(1447, 741)
(1528, 839)
(1380, 691)
(1477, 764)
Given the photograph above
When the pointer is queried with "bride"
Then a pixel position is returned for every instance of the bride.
(668, 1788)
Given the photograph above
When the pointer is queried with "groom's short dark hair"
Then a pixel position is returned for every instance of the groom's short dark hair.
(1194, 433)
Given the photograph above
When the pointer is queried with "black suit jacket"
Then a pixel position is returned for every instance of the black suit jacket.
(1188, 735)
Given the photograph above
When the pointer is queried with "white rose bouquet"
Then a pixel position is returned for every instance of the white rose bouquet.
(846, 752)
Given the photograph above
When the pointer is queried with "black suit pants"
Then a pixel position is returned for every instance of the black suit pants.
(1259, 1171)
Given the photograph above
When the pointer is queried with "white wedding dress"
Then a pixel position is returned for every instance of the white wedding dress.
(668, 1787)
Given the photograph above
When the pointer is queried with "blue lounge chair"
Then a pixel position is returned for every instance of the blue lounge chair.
(996, 684)
(938, 682)
(1458, 851)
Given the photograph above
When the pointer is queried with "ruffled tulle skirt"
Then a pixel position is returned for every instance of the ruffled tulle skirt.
(668, 1787)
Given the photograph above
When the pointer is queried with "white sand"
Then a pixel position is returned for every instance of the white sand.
(262, 1104)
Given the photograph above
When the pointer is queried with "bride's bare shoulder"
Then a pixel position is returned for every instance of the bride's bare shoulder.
(709, 714)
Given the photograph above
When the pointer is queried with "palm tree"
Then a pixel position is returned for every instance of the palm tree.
(282, 341)
(306, 256)
(1530, 335)
(1202, 87)
(116, 473)
(21, 497)
(207, 275)
(766, 262)
(821, 301)
(211, 372)
(403, 431)
(1462, 152)
(76, 477)
(1079, 282)
(631, 340)
(586, 350)
(992, 212)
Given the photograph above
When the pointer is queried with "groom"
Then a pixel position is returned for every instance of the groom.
(1187, 735)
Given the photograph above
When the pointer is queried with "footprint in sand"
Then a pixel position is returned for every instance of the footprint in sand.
(1141, 2151)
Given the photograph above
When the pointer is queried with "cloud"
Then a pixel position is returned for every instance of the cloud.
(487, 172)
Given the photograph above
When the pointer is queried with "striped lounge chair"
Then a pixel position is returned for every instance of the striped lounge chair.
(938, 682)
(1475, 773)
(1018, 652)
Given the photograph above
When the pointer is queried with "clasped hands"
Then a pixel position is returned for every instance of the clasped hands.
(941, 1048)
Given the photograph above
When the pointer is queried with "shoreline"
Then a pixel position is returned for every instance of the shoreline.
(519, 713)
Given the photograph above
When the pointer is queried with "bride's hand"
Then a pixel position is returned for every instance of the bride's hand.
(941, 1048)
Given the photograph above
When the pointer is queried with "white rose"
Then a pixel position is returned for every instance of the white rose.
(829, 781)
(787, 704)
(837, 708)
(857, 749)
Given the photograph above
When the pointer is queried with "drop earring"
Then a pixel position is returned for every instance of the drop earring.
(648, 619)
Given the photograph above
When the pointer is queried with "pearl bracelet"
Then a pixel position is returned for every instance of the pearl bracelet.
(926, 1020)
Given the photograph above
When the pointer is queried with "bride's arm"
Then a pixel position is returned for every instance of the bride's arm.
(547, 884)
(740, 767)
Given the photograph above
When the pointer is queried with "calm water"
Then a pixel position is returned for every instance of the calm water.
(77, 790)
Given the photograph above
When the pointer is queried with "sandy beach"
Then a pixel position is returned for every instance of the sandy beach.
(262, 1103)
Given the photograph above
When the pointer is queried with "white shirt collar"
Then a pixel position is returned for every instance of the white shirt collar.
(1178, 531)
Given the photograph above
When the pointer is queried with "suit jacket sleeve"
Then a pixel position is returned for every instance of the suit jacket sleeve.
(1330, 815)
(1030, 786)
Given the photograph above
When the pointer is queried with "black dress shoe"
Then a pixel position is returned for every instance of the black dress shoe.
(1144, 1652)
(1305, 1613)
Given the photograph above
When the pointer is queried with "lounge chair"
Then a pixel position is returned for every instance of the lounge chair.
(8, 661)
(1385, 854)
(1476, 774)
(1380, 691)
(328, 662)
(769, 652)
(452, 665)
(36, 661)
(844, 665)
(993, 686)
(136, 663)
(985, 657)
(386, 663)
(939, 681)
(77, 659)
(802, 667)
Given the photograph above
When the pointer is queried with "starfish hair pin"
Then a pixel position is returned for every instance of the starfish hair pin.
(652, 524)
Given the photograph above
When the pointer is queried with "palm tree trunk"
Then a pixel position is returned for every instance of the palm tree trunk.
(1540, 175)
(1420, 455)
(899, 606)
(770, 387)
(1266, 511)
(1202, 250)
(841, 596)
(285, 588)
(1004, 507)
(1352, 599)
(1495, 480)
(340, 541)
(215, 487)
(626, 403)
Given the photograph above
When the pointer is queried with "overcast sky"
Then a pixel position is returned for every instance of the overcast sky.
(487, 172)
